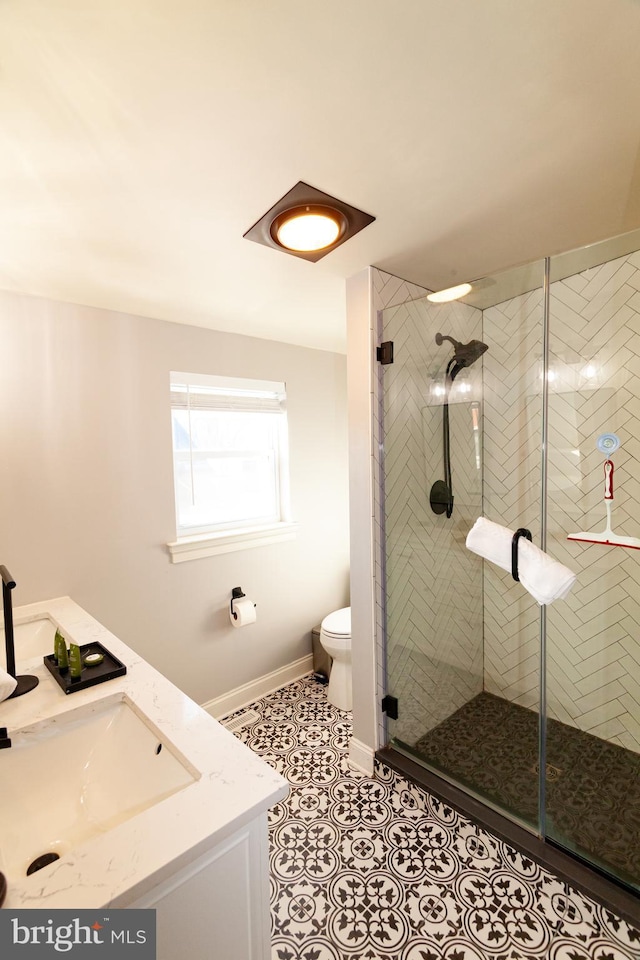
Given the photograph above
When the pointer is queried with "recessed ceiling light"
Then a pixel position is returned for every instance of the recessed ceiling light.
(308, 227)
(451, 293)
(308, 223)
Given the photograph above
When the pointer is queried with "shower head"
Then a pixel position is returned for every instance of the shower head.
(464, 354)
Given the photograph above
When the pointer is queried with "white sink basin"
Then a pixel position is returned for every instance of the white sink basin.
(81, 773)
(30, 641)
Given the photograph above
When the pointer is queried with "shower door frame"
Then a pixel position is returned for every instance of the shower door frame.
(545, 850)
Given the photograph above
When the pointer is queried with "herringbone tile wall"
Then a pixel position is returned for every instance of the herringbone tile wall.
(593, 672)
(593, 637)
(449, 632)
(512, 489)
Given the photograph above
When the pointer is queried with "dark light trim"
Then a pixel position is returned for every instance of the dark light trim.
(300, 196)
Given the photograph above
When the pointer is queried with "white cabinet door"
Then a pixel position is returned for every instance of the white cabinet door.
(217, 908)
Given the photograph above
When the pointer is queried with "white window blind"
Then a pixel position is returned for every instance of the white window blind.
(267, 398)
(230, 453)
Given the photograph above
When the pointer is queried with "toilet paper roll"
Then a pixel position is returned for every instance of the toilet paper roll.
(245, 612)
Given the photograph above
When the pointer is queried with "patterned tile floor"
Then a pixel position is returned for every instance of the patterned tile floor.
(376, 869)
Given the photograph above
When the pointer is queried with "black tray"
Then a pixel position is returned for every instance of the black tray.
(110, 668)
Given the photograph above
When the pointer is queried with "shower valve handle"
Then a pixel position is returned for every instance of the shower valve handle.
(608, 480)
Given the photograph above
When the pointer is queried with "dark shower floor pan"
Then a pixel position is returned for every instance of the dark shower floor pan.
(490, 746)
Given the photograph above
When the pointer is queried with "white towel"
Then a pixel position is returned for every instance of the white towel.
(545, 578)
(7, 684)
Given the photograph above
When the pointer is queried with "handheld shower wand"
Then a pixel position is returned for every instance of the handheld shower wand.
(464, 354)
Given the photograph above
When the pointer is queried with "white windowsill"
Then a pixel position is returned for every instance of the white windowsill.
(210, 544)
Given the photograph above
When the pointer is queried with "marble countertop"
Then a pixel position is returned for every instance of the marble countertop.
(115, 868)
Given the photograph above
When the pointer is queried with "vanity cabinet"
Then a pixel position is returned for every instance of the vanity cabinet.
(218, 906)
(196, 850)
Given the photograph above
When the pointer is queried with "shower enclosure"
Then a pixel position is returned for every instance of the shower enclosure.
(534, 711)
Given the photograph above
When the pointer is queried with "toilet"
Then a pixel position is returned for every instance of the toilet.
(335, 637)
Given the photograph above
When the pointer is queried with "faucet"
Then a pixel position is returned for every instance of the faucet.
(26, 682)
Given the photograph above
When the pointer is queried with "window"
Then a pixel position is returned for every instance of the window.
(230, 461)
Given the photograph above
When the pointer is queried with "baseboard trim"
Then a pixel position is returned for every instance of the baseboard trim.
(361, 756)
(242, 696)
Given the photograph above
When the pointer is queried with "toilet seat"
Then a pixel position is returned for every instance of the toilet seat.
(337, 624)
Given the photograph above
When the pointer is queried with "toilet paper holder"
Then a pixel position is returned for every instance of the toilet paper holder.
(236, 594)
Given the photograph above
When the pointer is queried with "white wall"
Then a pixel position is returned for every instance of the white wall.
(86, 489)
(360, 344)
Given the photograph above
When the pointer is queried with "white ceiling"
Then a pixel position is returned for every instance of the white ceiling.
(139, 140)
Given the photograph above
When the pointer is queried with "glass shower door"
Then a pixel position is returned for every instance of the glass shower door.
(536, 712)
(463, 638)
(593, 639)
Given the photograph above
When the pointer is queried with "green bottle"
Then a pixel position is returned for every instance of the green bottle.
(75, 661)
(61, 650)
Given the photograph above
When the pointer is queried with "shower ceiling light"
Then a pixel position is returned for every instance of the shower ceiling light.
(308, 223)
(451, 293)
